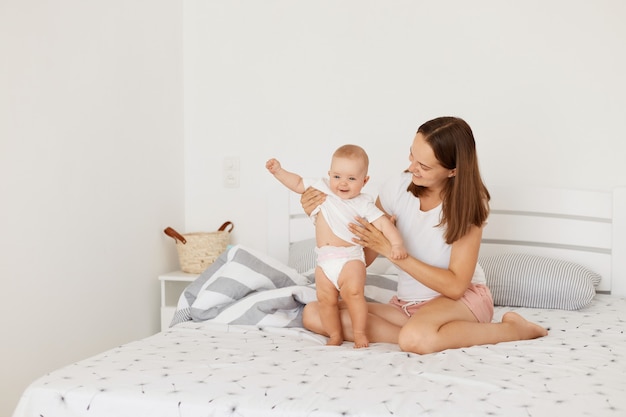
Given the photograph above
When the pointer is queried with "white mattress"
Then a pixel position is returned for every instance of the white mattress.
(206, 369)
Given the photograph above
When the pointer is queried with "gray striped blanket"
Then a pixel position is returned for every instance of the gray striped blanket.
(246, 287)
(250, 288)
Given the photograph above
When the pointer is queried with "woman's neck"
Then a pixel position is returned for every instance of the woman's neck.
(430, 199)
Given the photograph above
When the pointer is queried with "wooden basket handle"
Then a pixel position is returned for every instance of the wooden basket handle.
(225, 225)
(175, 235)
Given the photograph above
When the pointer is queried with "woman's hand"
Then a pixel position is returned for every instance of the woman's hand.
(310, 199)
(370, 237)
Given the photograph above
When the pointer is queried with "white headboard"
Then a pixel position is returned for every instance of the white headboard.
(287, 223)
(588, 227)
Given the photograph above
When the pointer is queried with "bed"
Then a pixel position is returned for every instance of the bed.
(237, 348)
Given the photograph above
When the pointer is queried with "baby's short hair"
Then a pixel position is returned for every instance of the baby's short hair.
(352, 152)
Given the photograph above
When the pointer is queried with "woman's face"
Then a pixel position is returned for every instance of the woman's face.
(426, 169)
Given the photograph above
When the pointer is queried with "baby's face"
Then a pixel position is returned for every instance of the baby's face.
(347, 177)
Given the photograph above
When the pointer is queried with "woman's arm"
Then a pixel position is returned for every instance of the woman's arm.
(451, 282)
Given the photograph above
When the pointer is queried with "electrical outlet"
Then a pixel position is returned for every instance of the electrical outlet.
(231, 163)
(231, 172)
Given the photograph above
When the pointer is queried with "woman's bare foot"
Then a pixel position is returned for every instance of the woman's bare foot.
(360, 340)
(526, 330)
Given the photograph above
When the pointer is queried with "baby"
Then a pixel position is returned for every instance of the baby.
(341, 262)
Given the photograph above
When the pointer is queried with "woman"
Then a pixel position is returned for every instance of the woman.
(440, 205)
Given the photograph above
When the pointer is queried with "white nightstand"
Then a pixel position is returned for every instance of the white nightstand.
(172, 286)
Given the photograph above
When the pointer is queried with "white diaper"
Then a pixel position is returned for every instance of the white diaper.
(332, 259)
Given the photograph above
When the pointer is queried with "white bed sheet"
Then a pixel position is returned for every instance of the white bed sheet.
(207, 369)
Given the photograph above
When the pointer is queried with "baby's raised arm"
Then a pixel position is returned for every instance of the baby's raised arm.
(288, 179)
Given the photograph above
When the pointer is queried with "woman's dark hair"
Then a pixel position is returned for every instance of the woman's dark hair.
(465, 199)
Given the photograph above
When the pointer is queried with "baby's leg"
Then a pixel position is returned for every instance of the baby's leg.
(352, 284)
(327, 296)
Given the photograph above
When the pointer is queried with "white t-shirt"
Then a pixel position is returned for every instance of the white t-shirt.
(423, 239)
(339, 212)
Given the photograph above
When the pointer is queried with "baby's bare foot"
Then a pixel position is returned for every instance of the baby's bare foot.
(360, 340)
(526, 329)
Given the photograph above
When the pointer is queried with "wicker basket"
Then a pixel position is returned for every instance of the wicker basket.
(196, 251)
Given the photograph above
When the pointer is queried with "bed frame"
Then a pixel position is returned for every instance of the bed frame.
(588, 227)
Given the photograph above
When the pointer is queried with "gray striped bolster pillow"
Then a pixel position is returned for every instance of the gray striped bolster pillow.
(524, 280)
(302, 256)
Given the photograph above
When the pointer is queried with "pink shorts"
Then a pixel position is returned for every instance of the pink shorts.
(477, 298)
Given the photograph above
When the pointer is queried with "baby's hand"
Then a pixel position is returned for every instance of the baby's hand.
(398, 252)
(273, 166)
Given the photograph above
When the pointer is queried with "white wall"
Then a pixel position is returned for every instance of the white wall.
(91, 130)
(540, 82)
(91, 171)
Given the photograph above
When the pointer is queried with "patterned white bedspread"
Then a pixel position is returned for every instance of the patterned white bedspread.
(213, 369)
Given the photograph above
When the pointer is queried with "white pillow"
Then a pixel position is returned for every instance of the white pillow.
(524, 280)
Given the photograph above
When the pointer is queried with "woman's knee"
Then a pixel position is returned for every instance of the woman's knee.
(418, 341)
